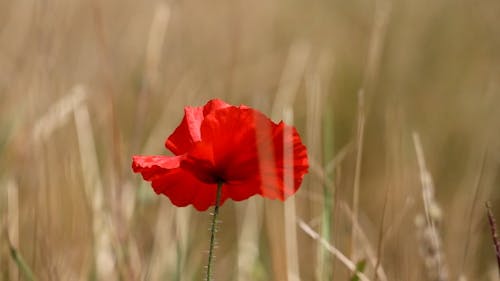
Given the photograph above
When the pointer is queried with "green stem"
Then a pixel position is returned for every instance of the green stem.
(21, 264)
(212, 232)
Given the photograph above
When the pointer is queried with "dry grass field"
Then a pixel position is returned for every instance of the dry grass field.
(396, 101)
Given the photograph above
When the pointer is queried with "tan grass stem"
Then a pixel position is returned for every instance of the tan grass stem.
(292, 249)
(104, 260)
(357, 169)
(332, 249)
(429, 235)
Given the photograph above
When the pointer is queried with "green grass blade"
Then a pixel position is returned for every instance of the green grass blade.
(21, 264)
(360, 267)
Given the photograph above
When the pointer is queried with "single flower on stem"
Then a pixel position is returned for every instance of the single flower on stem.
(223, 151)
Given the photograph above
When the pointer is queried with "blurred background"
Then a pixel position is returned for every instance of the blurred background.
(397, 102)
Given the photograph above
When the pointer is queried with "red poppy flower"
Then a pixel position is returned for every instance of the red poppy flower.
(233, 145)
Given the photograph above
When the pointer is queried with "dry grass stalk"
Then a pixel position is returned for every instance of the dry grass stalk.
(156, 39)
(249, 228)
(155, 42)
(379, 29)
(430, 240)
(357, 169)
(375, 48)
(292, 249)
(104, 259)
(163, 254)
(58, 115)
(12, 222)
(365, 242)
(291, 77)
(182, 227)
(477, 185)
(315, 139)
(334, 251)
(290, 81)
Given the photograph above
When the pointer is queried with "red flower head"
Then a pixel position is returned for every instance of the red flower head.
(234, 145)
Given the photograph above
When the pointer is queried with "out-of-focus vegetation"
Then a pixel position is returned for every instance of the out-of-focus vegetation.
(397, 102)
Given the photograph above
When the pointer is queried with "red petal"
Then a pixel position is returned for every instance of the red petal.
(213, 105)
(182, 188)
(241, 190)
(290, 163)
(150, 166)
(188, 132)
(179, 185)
